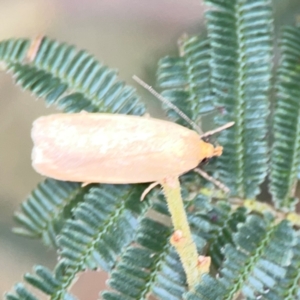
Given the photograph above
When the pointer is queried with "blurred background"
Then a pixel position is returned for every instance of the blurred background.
(130, 35)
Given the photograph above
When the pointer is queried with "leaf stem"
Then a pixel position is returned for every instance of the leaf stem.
(182, 238)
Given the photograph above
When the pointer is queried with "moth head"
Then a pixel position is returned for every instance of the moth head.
(208, 150)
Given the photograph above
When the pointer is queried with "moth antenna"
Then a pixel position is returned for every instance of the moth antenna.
(167, 102)
(208, 133)
(217, 183)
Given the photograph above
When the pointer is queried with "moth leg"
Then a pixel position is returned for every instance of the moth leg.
(85, 184)
(216, 182)
(148, 189)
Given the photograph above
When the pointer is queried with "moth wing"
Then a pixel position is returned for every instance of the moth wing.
(112, 148)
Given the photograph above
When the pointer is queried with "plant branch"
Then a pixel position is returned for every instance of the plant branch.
(182, 238)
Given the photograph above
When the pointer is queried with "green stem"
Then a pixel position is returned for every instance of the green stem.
(182, 238)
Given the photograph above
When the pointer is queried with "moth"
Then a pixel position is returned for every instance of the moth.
(118, 149)
(114, 148)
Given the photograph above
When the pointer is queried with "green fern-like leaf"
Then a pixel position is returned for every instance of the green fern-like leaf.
(13, 50)
(263, 252)
(288, 287)
(20, 293)
(44, 280)
(185, 80)
(213, 225)
(149, 267)
(73, 80)
(103, 224)
(254, 265)
(209, 289)
(50, 282)
(216, 224)
(44, 212)
(241, 40)
(285, 160)
(99, 229)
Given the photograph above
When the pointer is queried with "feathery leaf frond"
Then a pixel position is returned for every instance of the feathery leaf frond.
(262, 251)
(285, 158)
(241, 40)
(103, 224)
(185, 80)
(44, 212)
(211, 225)
(20, 293)
(100, 228)
(73, 80)
(216, 225)
(288, 287)
(151, 266)
(13, 50)
(209, 289)
(254, 265)
(45, 281)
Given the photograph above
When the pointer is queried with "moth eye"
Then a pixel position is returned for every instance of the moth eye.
(204, 161)
(206, 139)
